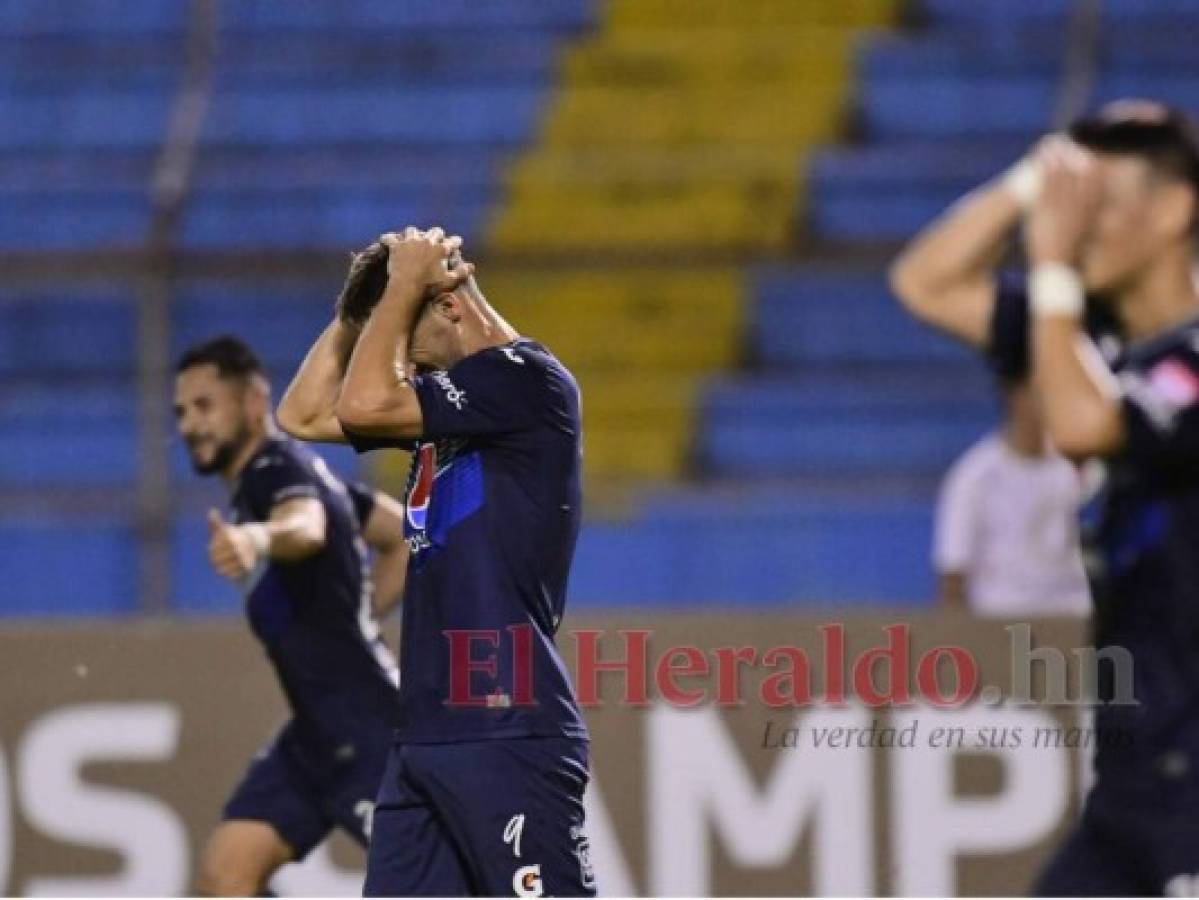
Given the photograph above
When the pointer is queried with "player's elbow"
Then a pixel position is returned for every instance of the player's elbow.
(1079, 438)
(302, 542)
(289, 418)
(911, 287)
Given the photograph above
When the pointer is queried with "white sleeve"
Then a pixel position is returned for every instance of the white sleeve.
(955, 525)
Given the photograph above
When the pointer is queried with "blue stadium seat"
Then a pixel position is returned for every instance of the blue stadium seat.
(280, 326)
(324, 218)
(1001, 13)
(346, 56)
(28, 18)
(783, 554)
(62, 220)
(889, 191)
(427, 115)
(87, 116)
(916, 446)
(46, 334)
(802, 317)
(196, 588)
(67, 452)
(67, 566)
(948, 106)
(1136, 47)
(459, 15)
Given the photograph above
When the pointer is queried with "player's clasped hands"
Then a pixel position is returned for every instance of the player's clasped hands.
(1065, 209)
(430, 259)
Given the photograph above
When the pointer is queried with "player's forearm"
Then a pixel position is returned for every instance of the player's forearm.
(375, 397)
(387, 577)
(307, 408)
(1079, 397)
(965, 243)
(294, 537)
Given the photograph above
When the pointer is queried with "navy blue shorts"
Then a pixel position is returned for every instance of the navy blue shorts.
(1123, 847)
(483, 818)
(304, 801)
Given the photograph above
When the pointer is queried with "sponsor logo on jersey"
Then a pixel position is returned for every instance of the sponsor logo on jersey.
(453, 394)
(1175, 382)
(421, 492)
(583, 854)
(526, 882)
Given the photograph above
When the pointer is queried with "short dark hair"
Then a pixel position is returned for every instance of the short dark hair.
(1163, 136)
(232, 357)
(364, 285)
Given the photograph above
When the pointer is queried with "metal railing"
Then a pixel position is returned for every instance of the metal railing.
(1080, 71)
(155, 298)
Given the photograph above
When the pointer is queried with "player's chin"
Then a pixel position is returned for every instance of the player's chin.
(204, 466)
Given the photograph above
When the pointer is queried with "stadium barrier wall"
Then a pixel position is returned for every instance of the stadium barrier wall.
(119, 743)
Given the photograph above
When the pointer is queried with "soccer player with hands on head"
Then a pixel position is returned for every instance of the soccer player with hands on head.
(1105, 323)
(483, 793)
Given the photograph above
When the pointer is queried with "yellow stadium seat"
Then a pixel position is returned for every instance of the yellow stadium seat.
(679, 131)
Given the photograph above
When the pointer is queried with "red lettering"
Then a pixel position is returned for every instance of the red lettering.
(633, 666)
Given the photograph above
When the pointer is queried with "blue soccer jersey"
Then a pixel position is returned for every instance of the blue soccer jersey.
(1140, 530)
(314, 617)
(492, 515)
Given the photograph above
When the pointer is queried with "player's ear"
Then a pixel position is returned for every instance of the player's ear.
(1175, 210)
(258, 396)
(449, 305)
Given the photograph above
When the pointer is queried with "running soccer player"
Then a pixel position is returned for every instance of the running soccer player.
(483, 793)
(297, 550)
(1111, 210)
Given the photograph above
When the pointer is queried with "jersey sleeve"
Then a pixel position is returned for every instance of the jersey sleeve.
(362, 443)
(363, 498)
(275, 479)
(491, 392)
(1161, 416)
(1008, 339)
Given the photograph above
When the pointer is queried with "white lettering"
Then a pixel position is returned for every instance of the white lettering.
(60, 804)
(698, 778)
(931, 825)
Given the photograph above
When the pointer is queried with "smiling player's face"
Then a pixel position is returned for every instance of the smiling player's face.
(214, 416)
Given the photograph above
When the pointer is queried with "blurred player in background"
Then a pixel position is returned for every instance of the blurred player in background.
(483, 793)
(1005, 541)
(1109, 209)
(297, 550)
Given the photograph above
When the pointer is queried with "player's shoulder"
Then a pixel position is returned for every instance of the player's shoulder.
(281, 454)
(1177, 350)
(524, 354)
(524, 361)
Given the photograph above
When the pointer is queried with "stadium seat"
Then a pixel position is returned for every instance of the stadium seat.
(67, 566)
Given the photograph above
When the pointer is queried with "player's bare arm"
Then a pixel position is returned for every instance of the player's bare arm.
(295, 531)
(384, 534)
(946, 275)
(1079, 395)
(307, 409)
(377, 399)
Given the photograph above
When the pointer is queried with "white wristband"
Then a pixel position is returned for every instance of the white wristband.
(1023, 180)
(1055, 289)
(260, 537)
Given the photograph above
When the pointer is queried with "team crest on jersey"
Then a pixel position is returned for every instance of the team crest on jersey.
(421, 489)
